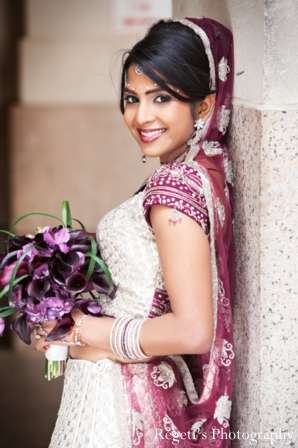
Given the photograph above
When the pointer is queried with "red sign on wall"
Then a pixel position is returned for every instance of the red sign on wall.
(131, 18)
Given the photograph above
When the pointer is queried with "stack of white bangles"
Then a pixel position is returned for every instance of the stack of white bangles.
(125, 338)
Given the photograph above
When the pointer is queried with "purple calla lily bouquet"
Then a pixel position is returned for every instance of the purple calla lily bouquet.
(44, 276)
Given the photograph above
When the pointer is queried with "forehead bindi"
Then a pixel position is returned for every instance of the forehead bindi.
(139, 82)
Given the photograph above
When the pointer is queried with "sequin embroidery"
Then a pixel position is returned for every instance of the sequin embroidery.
(223, 69)
(177, 186)
(223, 410)
(224, 119)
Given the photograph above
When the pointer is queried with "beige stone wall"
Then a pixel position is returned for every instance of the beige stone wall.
(245, 147)
(279, 271)
(264, 149)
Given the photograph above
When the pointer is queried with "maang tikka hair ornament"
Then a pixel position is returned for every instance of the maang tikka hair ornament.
(197, 135)
(138, 70)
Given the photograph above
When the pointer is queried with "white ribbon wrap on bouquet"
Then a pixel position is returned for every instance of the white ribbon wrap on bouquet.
(57, 353)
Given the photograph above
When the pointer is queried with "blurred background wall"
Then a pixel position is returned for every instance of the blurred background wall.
(63, 137)
(68, 136)
(11, 30)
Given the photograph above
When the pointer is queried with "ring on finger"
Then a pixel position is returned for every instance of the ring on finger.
(37, 336)
(44, 332)
(39, 327)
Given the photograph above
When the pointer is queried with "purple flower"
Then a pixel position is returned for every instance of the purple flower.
(55, 273)
(20, 297)
(41, 271)
(8, 270)
(60, 291)
(23, 250)
(35, 311)
(7, 273)
(7, 258)
(22, 328)
(61, 329)
(2, 325)
(59, 238)
(56, 307)
(89, 307)
(76, 283)
(49, 308)
(37, 289)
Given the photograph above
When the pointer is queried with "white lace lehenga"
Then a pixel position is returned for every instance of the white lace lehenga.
(109, 405)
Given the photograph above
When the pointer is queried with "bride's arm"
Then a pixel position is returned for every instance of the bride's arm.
(185, 259)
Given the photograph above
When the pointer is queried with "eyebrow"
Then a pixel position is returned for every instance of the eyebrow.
(147, 92)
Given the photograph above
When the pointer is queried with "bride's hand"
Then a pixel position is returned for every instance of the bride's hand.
(41, 331)
(39, 334)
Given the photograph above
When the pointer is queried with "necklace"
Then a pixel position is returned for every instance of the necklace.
(179, 158)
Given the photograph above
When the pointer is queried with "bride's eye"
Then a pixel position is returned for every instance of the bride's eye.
(130, 99)
(163, 98)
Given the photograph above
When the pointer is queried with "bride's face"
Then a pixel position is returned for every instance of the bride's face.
(159, 122)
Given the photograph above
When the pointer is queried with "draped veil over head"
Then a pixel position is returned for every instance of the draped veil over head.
(208, 419)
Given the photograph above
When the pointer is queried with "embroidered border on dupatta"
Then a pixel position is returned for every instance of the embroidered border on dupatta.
(209, 203)
(200, 32)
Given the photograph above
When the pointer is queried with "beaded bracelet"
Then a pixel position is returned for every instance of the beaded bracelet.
(76, 331)
(125, 338)
(39, 326)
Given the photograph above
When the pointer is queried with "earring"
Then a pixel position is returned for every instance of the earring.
(144, 158)
(196, 136)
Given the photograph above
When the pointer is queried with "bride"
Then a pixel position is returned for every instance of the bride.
(156, 369)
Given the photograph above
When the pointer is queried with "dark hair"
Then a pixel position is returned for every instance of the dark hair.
(171, 54)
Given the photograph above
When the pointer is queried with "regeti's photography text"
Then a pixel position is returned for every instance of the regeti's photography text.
(277, 437)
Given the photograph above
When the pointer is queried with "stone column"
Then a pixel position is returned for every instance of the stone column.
(10, 32)
(263, 141)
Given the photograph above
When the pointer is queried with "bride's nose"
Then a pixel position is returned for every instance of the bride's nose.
(144, 112)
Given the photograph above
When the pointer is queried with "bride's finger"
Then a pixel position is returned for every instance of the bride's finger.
(41, 344)
(45, 348)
